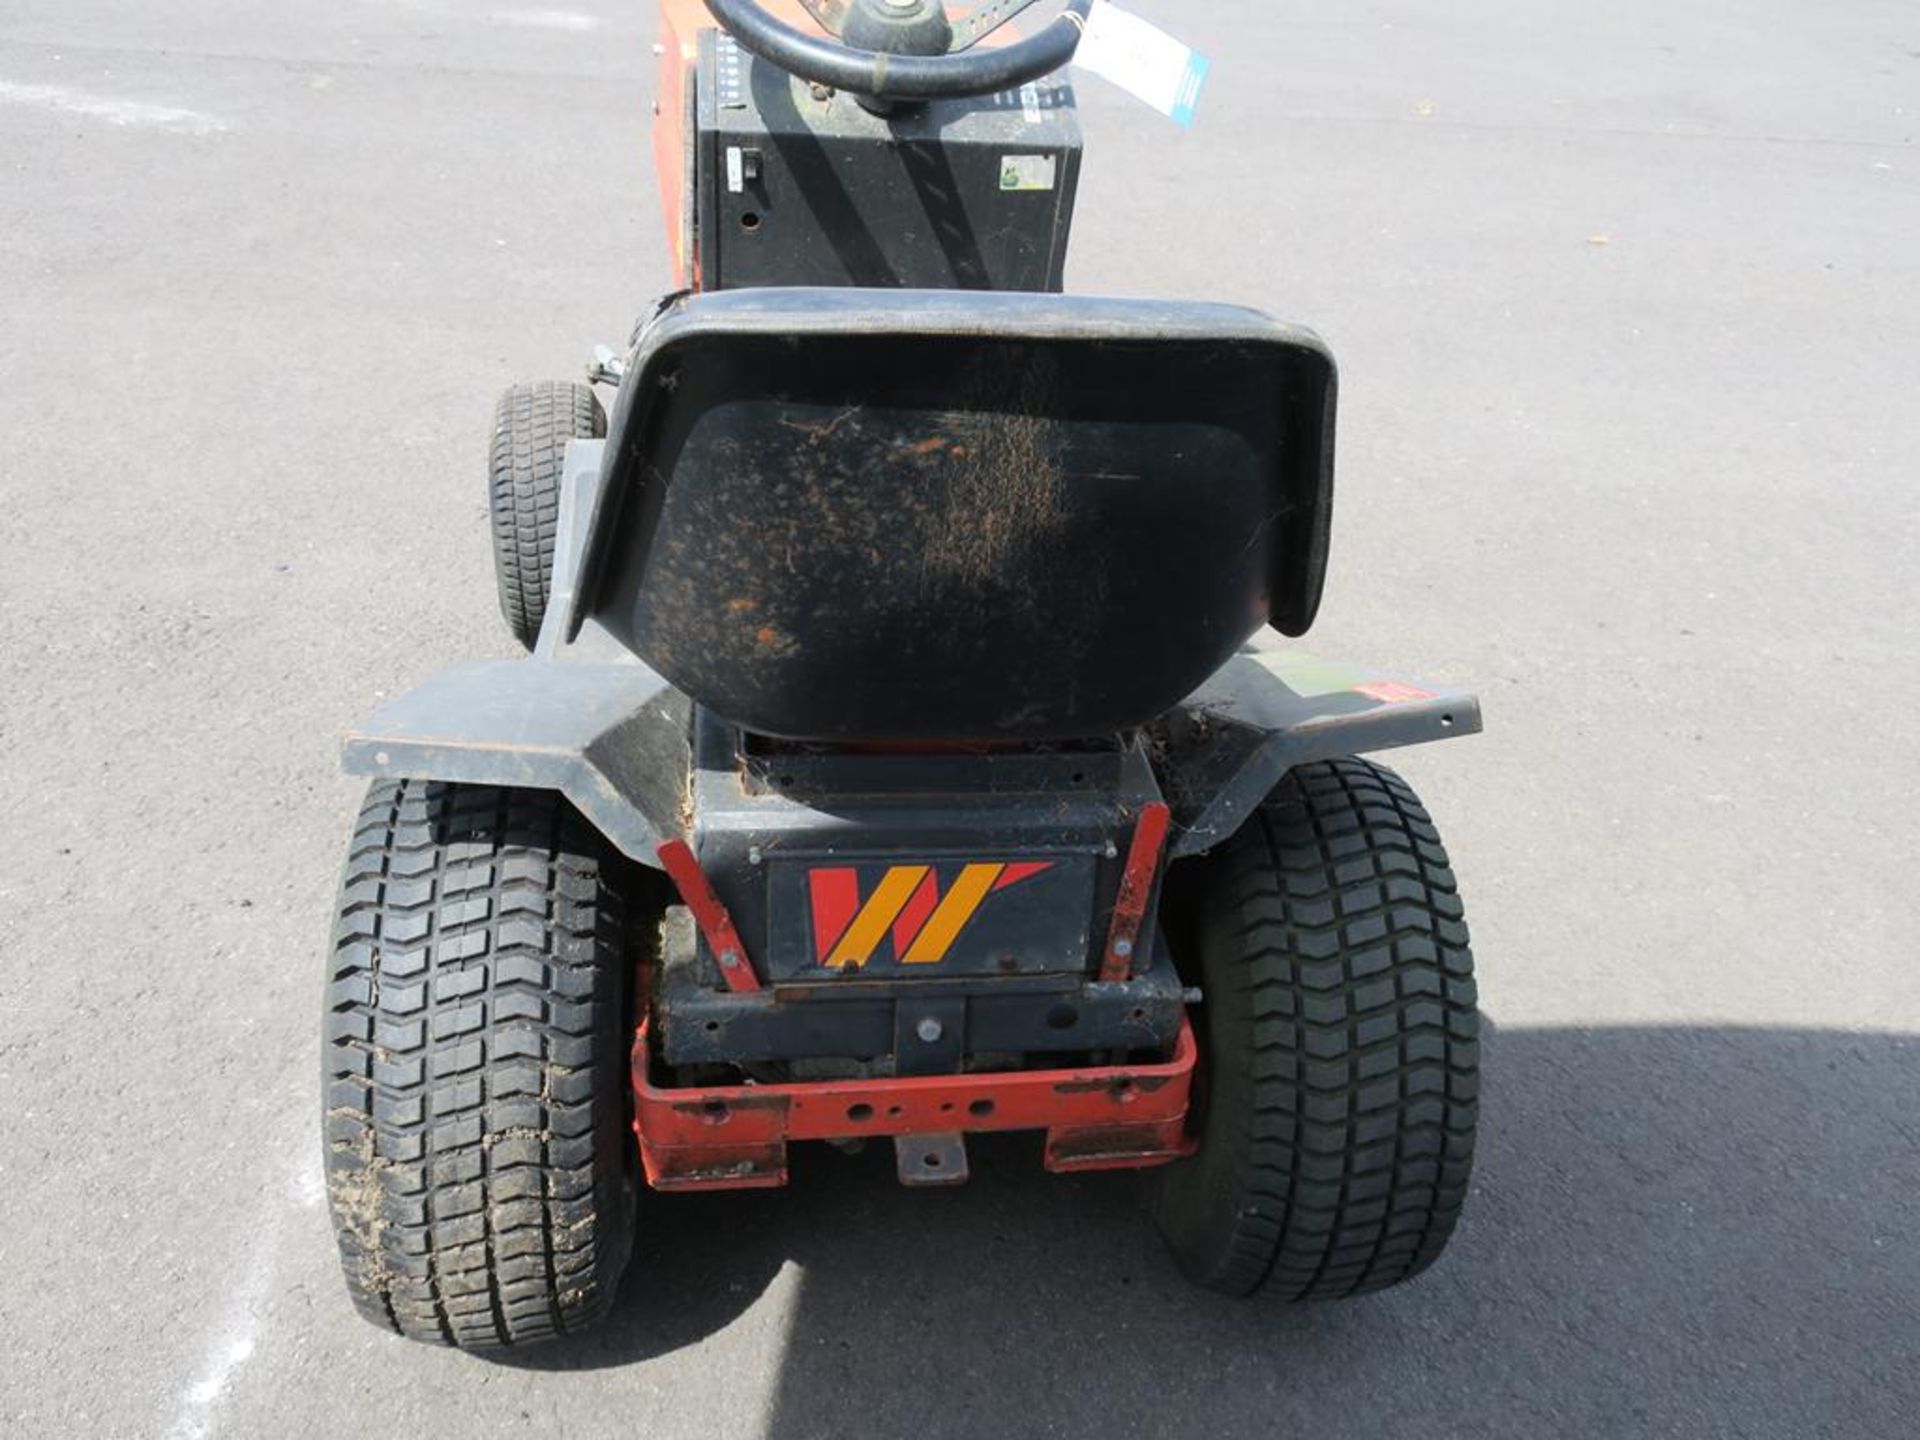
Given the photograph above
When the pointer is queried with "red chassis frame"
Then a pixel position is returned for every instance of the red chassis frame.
(735, 1137)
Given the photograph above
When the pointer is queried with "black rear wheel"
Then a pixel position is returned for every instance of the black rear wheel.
(479, 1013)
(1340, 1046)
(531, 427)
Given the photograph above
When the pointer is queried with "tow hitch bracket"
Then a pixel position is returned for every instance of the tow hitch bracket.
(735, 1137)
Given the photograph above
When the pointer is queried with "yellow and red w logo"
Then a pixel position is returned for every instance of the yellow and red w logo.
(906, 906)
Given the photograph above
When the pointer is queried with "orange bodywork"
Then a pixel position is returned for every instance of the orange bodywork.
(681, 22)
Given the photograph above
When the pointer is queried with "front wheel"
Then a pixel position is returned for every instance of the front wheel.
(1340, 1045)
(531, 427)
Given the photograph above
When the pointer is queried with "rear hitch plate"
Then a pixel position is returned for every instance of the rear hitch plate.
(932, 1161)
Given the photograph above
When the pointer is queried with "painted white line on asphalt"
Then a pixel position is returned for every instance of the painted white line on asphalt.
(234, 1336)
(213, 1381)
(310, 1181)
(106, 107)
(547, 19)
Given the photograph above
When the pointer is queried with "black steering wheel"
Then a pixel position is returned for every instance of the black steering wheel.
(906, 49)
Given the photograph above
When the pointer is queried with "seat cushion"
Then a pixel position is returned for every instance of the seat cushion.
(933, 516)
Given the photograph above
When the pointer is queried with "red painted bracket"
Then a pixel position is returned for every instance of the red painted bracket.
(735, 1137)
(1136, 888)
(710, 914)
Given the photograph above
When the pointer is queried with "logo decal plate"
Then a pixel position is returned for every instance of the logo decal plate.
(928, 917)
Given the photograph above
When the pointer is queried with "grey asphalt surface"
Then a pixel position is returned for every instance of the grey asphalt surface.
(1627, 300)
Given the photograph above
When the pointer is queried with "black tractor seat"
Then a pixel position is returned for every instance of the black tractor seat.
(917, 516)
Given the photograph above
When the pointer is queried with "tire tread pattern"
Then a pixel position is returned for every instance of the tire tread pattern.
(1339, 975)
(474, 1066)
(532, 424)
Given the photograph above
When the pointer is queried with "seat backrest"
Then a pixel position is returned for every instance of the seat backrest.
(859, 515)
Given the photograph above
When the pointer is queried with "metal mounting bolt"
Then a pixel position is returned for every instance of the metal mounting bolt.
(1123, 948)
(730, 959)
(753, 855)
(930, 1030)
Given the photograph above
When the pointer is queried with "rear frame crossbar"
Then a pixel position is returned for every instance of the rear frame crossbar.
(735, 1137)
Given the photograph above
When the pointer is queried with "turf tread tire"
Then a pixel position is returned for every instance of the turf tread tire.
(474, 1054)
(1342, 1046)
(532, 424)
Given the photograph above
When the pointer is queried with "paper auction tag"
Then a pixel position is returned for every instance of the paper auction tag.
(1143, 60)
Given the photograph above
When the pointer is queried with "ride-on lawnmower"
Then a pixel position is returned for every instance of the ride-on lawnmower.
(906, 750)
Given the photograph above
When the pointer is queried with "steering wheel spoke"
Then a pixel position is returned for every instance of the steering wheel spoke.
(832, 14)
(984, 19)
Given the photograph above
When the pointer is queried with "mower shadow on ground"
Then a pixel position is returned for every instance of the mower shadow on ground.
(1706, 1230)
